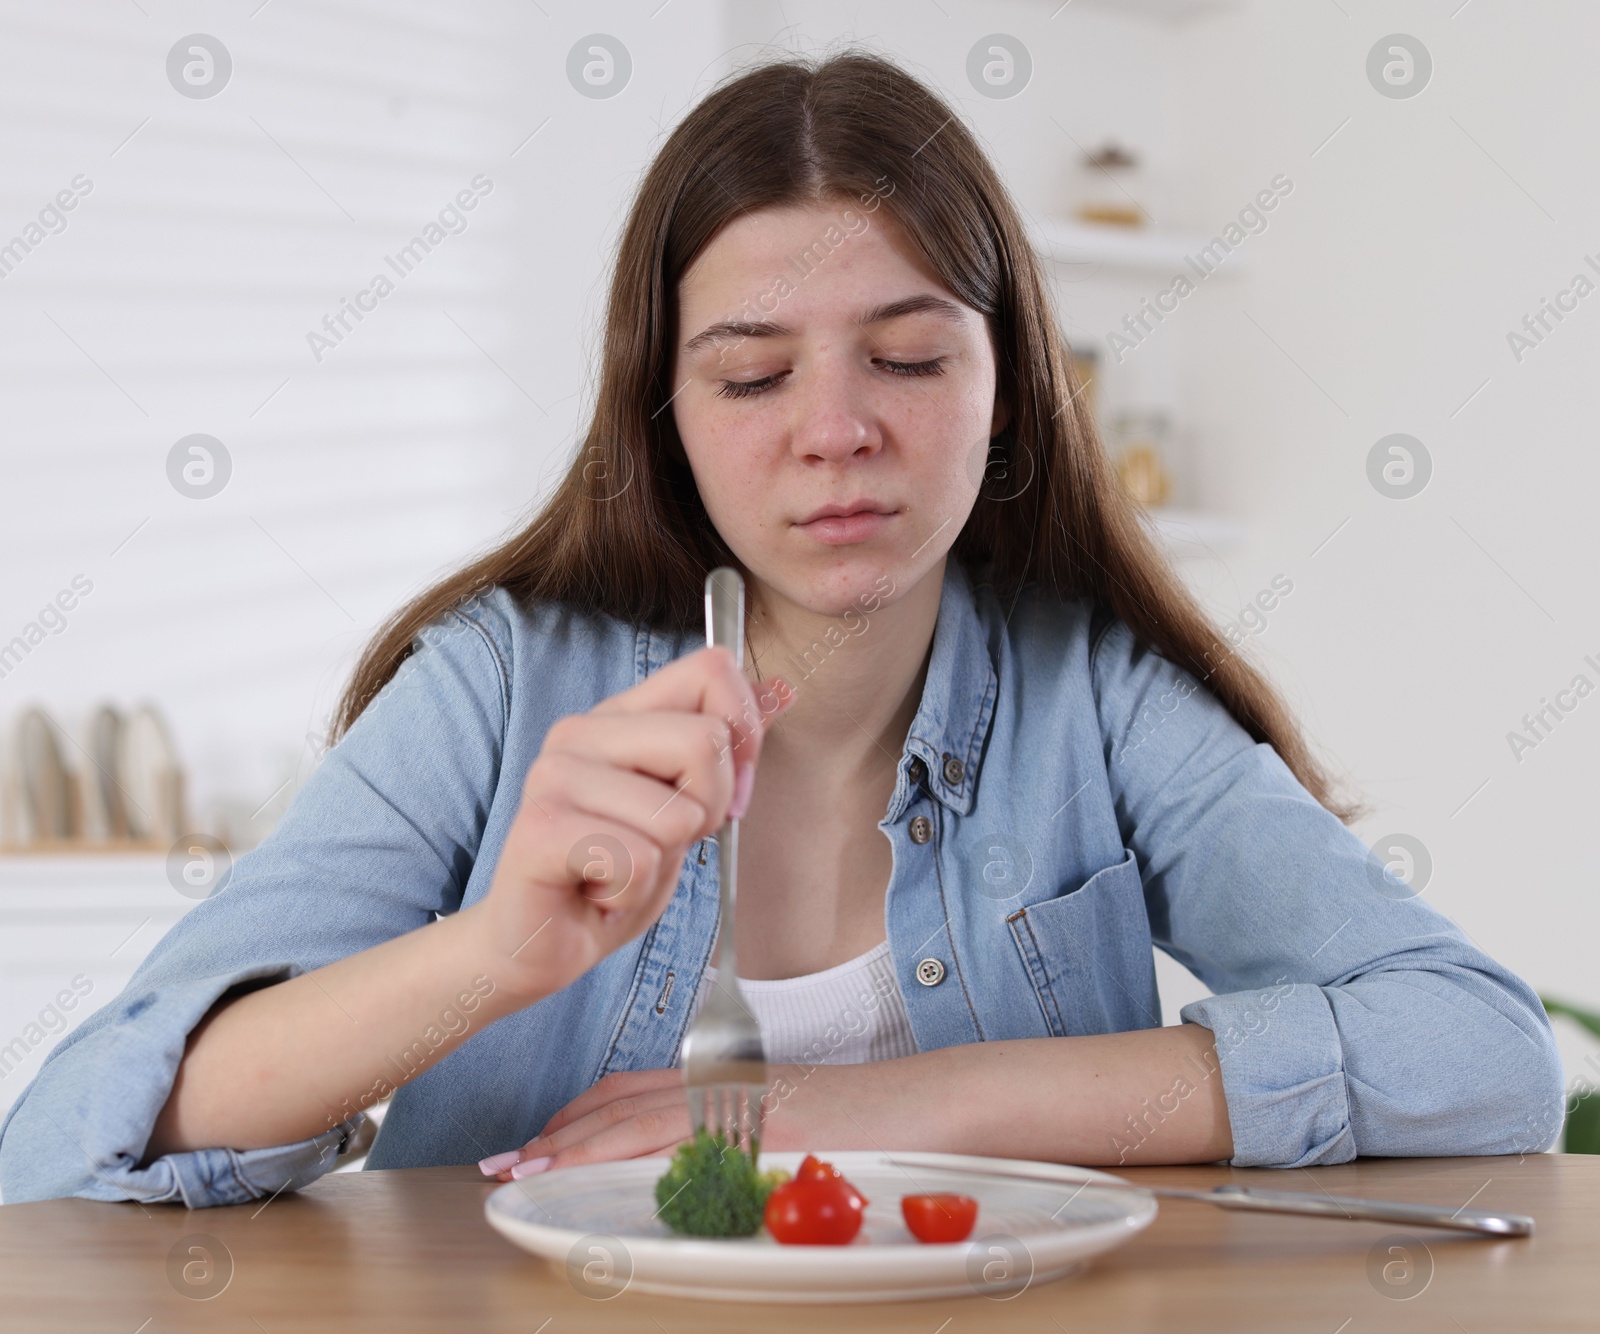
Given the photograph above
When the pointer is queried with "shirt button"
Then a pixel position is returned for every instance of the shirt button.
(930, 972)
(921, 829)
(918, 771)
(954, 771)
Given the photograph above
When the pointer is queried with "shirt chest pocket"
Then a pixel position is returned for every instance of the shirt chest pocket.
(1089, 956)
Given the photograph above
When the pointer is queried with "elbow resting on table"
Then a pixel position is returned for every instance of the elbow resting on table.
(1476, 1070)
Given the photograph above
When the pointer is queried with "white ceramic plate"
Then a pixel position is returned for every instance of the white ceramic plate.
(146, 763)
(105, 812)
(597, 1225)
(46, 786)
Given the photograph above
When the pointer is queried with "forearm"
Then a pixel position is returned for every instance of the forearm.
(286, 1062)
(1150, 1096)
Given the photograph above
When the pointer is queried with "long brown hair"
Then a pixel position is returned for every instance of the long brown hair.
(625, 532)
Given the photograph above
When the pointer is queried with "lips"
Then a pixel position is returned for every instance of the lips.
(846, 511)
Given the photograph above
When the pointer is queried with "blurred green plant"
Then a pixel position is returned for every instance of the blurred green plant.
(1583, 1117)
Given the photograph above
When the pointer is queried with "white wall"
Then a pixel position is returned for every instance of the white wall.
(179, 298)
(1416, 239)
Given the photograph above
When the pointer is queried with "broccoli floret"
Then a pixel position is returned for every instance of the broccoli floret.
(713, 1189)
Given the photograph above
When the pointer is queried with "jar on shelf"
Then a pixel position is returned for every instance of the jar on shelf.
(1111, 187)
(1141, 443)
(1084, 360)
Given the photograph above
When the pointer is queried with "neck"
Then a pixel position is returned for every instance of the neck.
(857, 676)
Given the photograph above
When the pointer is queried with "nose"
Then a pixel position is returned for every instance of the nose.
(834, 422)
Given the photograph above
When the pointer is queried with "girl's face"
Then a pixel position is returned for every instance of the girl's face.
(835, 401)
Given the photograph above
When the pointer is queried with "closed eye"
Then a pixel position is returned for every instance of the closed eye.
(745, 388)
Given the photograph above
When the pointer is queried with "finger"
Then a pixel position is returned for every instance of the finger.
(662, 745)
(626, 1128)
(616, 1113)
(620, 1084)
(670, 814)
(615, 866)
(688, 750)
(705, 681)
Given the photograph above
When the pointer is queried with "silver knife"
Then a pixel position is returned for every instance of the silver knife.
(1250, 1199)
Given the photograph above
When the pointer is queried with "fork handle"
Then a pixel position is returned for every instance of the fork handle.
(1387, 1211)
(725, 629)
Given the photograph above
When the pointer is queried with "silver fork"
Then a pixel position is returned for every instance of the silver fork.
(724, 1063)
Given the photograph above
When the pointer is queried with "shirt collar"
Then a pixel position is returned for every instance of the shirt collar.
(958, 697)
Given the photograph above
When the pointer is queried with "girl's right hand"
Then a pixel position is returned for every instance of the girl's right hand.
(609, 810)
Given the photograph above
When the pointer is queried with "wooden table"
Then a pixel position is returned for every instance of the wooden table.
(410, 1250)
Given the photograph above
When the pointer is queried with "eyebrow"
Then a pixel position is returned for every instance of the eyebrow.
(923, 303)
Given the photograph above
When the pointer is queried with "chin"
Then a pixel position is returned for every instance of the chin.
(865, 581)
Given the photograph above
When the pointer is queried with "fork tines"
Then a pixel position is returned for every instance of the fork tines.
(730, 1110)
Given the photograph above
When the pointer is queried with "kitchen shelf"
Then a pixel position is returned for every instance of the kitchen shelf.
(1069, 241)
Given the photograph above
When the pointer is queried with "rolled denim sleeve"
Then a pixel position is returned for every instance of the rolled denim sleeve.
(68, 1137)
(1350, 1017)
(380, 839)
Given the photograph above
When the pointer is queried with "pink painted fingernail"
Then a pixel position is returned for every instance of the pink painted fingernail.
(497, 1163)
(744, 784)
(529, 1167)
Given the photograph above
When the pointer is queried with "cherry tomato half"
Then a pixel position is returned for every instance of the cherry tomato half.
(939, 1217)
(813, 1212)
(813, 1168)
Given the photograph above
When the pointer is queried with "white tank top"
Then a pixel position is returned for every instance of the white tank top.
(844, 1015)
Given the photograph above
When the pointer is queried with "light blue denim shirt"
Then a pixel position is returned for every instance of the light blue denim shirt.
(1066, 799)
